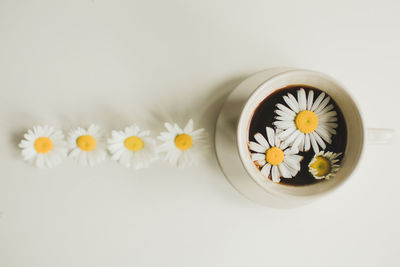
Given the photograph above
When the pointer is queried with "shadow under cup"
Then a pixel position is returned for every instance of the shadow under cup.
(355, 131)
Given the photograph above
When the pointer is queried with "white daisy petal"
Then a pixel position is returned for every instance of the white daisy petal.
(299, 139)
(25, 144)
(284, 115)
(29, 136)
(189, 127)
(287, 132)
(178, 129)
(117, 154)
(281, 118)
(28, 154)
(38, 130)
(323, 104)
(257, 156)
(175, 157)
(284, 171)
(314, 143)
(164, 136)
(275, 174)
(283, 145)
(199, 134)
(262, 162)
(74, 153)
(115, 145)
(166, 146)
(325, 110)
(93, 129)
(283, 125)
(331, 125)
(328, 115)
(277, 141)
(307, 143)
(143, 133)
(310, 99)
(257, 147)
(301, 98)
(168, 154)
(261, 140)
(170, 128)
(294, 100)
(320, 142)
(291, 102)
(286, 110)
(325, 120)
(292, 137)
(270, 136)
(293, 172)
(295, 149)
(132, 130)
(324, 134)
(317, 101)
(266, 169)
(292, 162)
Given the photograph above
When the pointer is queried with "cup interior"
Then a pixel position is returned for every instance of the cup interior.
(352, 116)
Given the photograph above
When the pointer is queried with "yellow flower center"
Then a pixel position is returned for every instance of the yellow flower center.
(183, 141)
(133, 143)
(321, 165)
(274, 156)
(86, 142)
(43, 145)
(306, 121)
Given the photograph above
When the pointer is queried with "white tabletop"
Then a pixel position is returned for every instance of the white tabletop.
(70, 63)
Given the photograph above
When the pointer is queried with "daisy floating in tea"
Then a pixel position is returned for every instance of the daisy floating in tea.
(306, 123)
(43, 146)
(324, 165)
(274, 157)
(87, 146)
(182, 147)
(132, 147)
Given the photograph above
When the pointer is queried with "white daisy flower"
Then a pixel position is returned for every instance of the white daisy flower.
(324, 165)
(132, 147)
(306, 123)
(182, 147)
(43, 146)
(87, 146)
(274, 157)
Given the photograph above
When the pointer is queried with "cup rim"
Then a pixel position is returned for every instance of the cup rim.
(244, 122)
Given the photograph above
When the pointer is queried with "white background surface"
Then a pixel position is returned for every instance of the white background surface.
(70, 63)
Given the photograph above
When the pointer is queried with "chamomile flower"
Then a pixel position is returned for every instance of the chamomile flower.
(324, 165)
(87, 146)
(182, 147)
(306, 122)
(43, 146)
(132, 147)
(274, 158)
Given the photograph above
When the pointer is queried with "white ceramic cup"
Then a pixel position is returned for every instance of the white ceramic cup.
(232, 137)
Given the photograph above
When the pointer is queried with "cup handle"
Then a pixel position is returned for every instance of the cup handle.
(381, 136)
